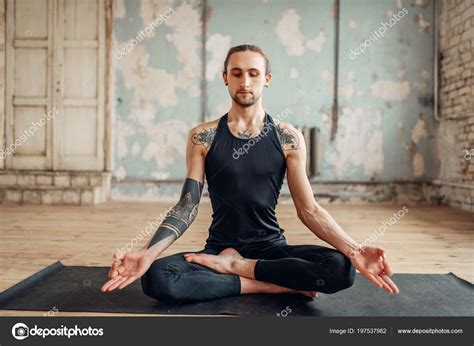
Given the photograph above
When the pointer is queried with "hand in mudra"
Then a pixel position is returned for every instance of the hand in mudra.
(126, 268)
(372, 263)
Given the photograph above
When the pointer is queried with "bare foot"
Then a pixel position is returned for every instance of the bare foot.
(231, 252)
(221, 263)
(310, 294)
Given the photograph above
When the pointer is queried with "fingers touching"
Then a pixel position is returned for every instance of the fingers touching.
(386, 268)
(113, 269)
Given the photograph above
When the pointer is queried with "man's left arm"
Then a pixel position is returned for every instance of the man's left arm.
(370, 261)
(313, 216)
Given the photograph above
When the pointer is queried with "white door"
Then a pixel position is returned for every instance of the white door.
(29, 87)
(55, 84)
(79, 44)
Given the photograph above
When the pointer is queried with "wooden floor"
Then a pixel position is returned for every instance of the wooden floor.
(424, 240)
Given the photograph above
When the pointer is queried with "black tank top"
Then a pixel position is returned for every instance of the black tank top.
(244, 178)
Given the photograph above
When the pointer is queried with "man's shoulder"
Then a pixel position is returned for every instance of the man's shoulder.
(203, 134)
(290, 137)
(284, 125)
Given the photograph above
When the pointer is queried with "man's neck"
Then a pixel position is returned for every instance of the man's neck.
(247, 115)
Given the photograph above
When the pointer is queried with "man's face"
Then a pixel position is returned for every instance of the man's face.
(246, 77)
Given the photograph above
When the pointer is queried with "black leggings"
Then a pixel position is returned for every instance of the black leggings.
(300, 267)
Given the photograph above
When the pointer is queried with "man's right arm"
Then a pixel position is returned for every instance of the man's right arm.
(185, 211)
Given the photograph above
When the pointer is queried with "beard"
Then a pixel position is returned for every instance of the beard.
(246, 100)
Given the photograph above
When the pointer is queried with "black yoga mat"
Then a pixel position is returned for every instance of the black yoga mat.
(77, 288)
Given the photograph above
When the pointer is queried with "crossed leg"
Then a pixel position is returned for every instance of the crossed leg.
(299, 267)
(172, 278)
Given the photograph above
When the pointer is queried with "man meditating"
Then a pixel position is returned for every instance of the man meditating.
(244, 156)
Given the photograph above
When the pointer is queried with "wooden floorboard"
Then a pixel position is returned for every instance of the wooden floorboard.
(425, 240)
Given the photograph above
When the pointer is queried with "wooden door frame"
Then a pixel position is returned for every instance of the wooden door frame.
(109, 82)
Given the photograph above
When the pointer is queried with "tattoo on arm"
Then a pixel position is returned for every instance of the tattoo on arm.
(205, 137)
(288, 138)
(182, 214)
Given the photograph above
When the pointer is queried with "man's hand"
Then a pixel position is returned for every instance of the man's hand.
(127, 268)
(372, 263)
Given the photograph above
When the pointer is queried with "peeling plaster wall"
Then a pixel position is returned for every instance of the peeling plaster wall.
(385, 131)
(157, 93)
(385, 125)
(298, 38)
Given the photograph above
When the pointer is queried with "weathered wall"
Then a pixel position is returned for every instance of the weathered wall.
(385, 126)
(157, 91)
(455, 132)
